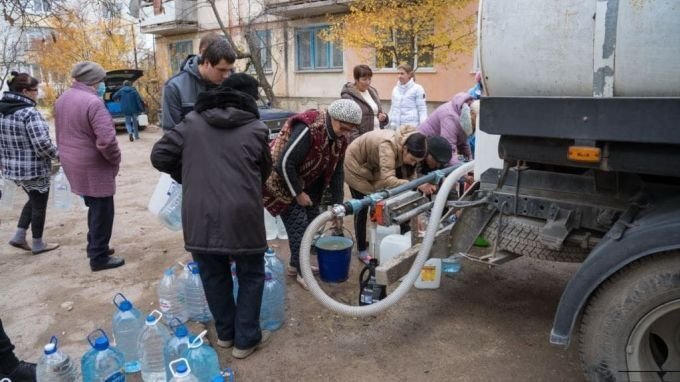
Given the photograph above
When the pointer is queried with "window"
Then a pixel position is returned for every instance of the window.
(40, 6)
(178, 52)
(407, 51)
(315, 53)
(33, 37)
(264, 45)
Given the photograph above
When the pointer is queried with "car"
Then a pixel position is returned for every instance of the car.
(273, 118)
(113, 82)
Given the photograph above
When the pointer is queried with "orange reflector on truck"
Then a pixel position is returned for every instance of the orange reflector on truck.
(585, 154)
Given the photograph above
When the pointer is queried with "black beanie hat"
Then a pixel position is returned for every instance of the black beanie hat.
(244, 83)
(439, 148)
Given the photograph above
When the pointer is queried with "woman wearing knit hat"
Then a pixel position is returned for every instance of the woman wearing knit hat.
(379, 160)
(90, 157)
(308, 154)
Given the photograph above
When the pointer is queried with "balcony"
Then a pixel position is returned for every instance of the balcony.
(177, 16)
(305, 8)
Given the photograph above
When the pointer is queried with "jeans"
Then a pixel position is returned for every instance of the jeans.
(132, 125)
(34, 212)
(100, 224)
(360, 222)
(8, 361)
(239, 322)
(296, 218)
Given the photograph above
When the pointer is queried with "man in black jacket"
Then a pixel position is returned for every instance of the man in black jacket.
(219, 154)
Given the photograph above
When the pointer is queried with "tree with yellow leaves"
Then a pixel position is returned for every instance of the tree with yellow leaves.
(420, 32)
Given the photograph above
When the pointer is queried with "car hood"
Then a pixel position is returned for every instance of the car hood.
(115, 78)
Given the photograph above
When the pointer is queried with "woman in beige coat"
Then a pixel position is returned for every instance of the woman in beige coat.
(378, 160)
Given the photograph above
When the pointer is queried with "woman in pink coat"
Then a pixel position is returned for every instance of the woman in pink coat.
(90, 157)
(452, 121)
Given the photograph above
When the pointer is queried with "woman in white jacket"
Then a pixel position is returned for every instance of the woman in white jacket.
(408, 100)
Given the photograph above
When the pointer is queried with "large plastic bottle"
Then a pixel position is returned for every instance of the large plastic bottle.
(197, 305)
(152, 340)
(8, 189)
(170, 290)
(55, 366)
(102, 363)
(234, 281)
(126, 325)
(170, 214)
(202, 359)
(270, 226)
(176, 345)
(273, 262)
(273, 309)
(61, 191)
(181, 371)
(282, 234)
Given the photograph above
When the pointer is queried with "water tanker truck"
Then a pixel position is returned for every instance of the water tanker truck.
(578, 160)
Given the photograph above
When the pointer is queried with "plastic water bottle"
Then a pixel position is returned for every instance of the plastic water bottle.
(150, 345)
(126, 326)
(170, 290)
(272, 311)
(234, 281)
(202, 359)
(181, 371)
(55, 366)
(171, 213)
(102, 363)
(270, 226)
(273, 262)
(281, 234)
(197, 305)
(61, 191)
(177, 344)
(9, 190)
(451, 265)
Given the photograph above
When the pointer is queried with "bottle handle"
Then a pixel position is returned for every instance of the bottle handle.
(55, 341)
(198, 341)
(175, 362)
(157, 314)
(174, 324)
(89, 336)
(117, 304)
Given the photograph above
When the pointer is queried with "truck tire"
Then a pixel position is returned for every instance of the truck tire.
(632, 323)
(521, 236)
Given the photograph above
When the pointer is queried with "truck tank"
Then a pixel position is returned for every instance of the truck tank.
(594, 48)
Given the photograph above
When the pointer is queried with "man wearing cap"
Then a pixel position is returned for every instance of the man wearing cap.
(219, 154)
(90, 157)
(308, 155)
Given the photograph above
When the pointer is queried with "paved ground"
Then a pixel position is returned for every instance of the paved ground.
(483, 325)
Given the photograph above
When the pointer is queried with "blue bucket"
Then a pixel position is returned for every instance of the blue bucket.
(334, 254)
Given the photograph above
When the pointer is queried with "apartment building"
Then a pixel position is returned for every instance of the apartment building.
(305, 70)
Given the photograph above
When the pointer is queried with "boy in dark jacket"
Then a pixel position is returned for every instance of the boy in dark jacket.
(219, 154)
(131, 106)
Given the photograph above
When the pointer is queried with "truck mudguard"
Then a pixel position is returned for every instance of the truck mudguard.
(655, 229)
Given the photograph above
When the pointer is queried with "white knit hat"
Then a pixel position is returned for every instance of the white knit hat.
(345, 110)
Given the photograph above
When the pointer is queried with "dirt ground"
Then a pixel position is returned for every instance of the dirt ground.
(486, 324)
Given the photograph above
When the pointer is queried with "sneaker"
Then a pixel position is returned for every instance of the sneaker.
(132, 138)
(227, 344)
(243, 353)
(24, 372)
(292, 271)
(107, 262)
(302, 282)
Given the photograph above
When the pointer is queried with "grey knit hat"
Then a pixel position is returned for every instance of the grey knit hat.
(88, 72)
(345, 110)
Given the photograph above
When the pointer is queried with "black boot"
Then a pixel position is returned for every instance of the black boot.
(24, 372)
(101, 263)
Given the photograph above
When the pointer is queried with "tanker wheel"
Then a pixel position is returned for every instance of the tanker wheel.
(630, 330)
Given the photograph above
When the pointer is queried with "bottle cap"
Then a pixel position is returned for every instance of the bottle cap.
(50, 348)
(125, 306)
(101, 343)
(181, 368)
(181, 331)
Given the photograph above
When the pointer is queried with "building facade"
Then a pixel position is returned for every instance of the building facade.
(305, 70)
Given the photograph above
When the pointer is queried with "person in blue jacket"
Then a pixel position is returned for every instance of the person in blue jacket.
(130, 105)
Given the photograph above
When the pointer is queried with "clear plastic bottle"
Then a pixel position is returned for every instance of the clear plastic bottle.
(102, 363)
(181, 371)
(170, 290)
(151, 342)
(126, 325)
(202, 358)
(273, 309)
(55, 366)
(170, 214)
(197, 305)
(282, 234)
(9, 190)
(61, 189)
(274, 263)
(177, 344)
(270, 226)
(234, 281)
(451, 265)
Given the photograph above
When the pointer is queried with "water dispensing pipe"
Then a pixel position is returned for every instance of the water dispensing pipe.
(353, 206)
